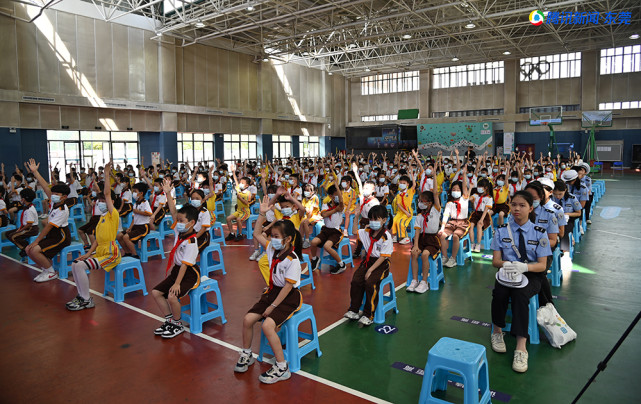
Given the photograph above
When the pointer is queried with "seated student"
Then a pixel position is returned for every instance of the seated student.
(158, 204)
(74, 187)
(27, 222)
(280, 301)
(4, 218)
(107, 254)
(520, 252)
(330, 235)
(501, 195)
(571, 208)
(455, 222)
(294, 187)
(402, 205)
(382, 189)
(583, 170)
(15, 187)
(139, 226)
(426, 241)
(349, 200)
(204, 219)
(55, 235)
(185, 273)
(87, 232)
(481, 218)
(125, 194)
(312, 213)
(270, 192)
(368, 201)
(374, 267)
(242, 212)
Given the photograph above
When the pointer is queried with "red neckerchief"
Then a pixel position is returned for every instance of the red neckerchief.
(424, 180)
(402, 195)
(153, 201)
(496, 195)
(275, 261)
(22, 214)
(366, 201)
(458, 208)
(514, 187)
(372, 241)
(173, 251)
(425, 216)
(479, 204)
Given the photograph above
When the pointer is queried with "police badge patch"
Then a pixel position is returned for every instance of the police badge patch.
(543, 242)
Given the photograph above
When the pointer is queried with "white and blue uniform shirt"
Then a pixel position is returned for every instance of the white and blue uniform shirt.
(546, 219)
(558, 210)
(570, 204)
(535, 237)
(587, 181)
(581, 192)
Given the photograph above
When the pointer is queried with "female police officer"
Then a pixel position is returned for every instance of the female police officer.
(520, 252)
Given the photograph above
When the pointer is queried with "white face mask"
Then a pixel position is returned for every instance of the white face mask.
(481, 190)
(307, 194)
(402, 187)
(422, 205)
(456, 194)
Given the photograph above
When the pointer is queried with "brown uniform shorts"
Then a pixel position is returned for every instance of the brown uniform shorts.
(90, 226)
(281, 313)
(57, 239)
(137, 231)
(429, 242)
(328, 234)
(457, 226)
(190, 280)
(476, 216)
(126, 209)
(501, 207)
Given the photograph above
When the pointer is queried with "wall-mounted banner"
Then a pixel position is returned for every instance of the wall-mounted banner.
(508, 142)
(388, 140)
(447, 137)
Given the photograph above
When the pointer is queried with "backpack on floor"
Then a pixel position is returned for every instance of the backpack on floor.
(557, 331)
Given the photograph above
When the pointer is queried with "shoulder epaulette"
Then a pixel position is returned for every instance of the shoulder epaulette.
(540, 229)
(503, 225)
(548, 210)
(557, 206)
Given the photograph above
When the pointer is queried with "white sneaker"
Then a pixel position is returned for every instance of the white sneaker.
(244, 362)
(406, 240)
(394, 239)
(351, 315)
(450, 263)
(519, 364)
(412, 286)
(254, 256)
(365, 321)
(498, 345)
(476, 248)
(45, 276)
(422, 287)
(306, 244)
(588, 221)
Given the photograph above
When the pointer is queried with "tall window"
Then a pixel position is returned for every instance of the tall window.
(551, 67)
(625, 59)
(89, 149)
(196, 148)
(468, 75)
(374, 118)
(619, 105)
(390, 83)
(309, 146)
(241, 147)
(282, 146)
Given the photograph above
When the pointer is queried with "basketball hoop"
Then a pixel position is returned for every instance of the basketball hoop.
(544, 123)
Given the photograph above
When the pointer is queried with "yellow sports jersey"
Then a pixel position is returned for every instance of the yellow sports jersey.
(246, 195)
(501, 195)
(295, 218)
(107, 228)
(349, 200)
(404, 199)
(440, 178)
(312, 204)
(211, 203)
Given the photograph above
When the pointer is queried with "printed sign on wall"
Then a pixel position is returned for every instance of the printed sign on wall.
(447, 137)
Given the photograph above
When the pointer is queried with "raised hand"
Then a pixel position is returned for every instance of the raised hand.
(33, 167)
(167, 185)
(265, 205)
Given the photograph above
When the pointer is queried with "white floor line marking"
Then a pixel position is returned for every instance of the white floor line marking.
(617, 234)
(220, 342)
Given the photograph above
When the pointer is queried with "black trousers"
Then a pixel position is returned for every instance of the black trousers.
(519, 299)
(369, 287)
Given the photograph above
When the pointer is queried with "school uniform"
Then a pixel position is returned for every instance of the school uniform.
(312, 209)
(426, 224)
(532, 242)
(455, 217)
(127, 206)
(159, 200)
(500, 200)
(331, 230)
(204, 221)
(72, 198)
(242, 210)
(4, 220)
(401, 220)
(479, 203)
(59, 236)
(426, 182)
(20, 237)
(107, 254)
(377, 244)
(89, 228)
(184, 252)
(382, 191)
(284, 267)
(140, 224)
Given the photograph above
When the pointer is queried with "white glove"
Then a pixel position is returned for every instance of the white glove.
(510, 274)
(520, 267)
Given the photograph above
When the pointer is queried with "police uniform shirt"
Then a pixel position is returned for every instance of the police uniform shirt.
(570, 204)
(287, 270)
(187, 252)
(59, 217)
(334, 220)
(587, 181)
(547, 219)
(535, 237)
(204, 219)
(558, 211)
(383, 247)
(429, 226)
(367, 204)
(581, 192)
(143, 207)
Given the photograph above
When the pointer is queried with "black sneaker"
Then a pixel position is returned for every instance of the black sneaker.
(78, 303)
(22, 253)
(230, 237)
(340, 268)
(173, 330)
(239, 237)
(275, 374)
(356, 254)
(244, 362)
(160, 330)
(315, 263)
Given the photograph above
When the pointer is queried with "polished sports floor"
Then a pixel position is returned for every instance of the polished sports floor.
(109, 353)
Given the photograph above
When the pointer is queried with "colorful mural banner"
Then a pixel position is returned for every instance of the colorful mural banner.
(433, 138)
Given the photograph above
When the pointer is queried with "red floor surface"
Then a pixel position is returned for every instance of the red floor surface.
(110, 353)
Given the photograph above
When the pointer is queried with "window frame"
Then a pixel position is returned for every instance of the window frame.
(390, 83)
(562, 66)
(474, 74)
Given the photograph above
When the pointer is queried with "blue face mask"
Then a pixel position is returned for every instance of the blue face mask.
(428, 172)
(286, 211)
(500, 183)
(286, 176)
(375, 225)
(277, 243)
(536, 203)
(206, 191)
(527, 176)
(181, 227)
(102, 206)
(55, 198)
(93, 193)
(195, 203)
(156, 189)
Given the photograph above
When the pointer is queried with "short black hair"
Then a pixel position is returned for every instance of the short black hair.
(406, 179)
(28, 194)
(377, 212)
(141, 187)
(525, 195)
(61, 188)
(198, 192)
(191, 212)
(331, 190)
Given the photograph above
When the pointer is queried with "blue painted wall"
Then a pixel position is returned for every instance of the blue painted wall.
(337, 143)
(295, 146)
(166, 143)
(268, 146)
(10, 149)
(16, 148)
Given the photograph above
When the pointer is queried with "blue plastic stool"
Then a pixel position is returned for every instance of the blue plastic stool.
(458, 361)
(350, 227)
(289, 335)
(41, 194)
(255, 208)
(556, 274)
(180, 191)
(62, 263)
(390, 213)
(5, 242)
(385, 303)
(125, 280)
(346, 258)
(317, 228)
(73, 230)
(533, 326)
(307, 278)
(443, 198)
(464, 250)
(37, 203)
(495, 220)
(165, 227)
(220, 209)
(150, 246)
(200, 309)
(576, 232)
(249, 226)
(207, 262)
(215, 238)
(583, 222)
(436, 275)
(77, 212)
(126, 220)
(411, 231)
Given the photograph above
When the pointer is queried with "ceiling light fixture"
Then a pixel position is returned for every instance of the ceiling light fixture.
(407, 36)
(199, 24)
(330, 73)
(265, 60)
(634, 36)
(507, 53)
(250, 8)
(158, 33)
(470, 25)
(455, 59)
(367, 69)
